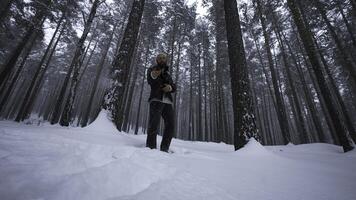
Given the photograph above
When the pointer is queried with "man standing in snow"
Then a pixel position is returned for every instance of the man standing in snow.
(161, 103)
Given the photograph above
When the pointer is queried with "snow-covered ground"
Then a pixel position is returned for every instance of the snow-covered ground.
(97, 162)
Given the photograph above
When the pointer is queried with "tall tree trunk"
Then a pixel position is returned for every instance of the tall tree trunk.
(298, 110)
(199, 101)
(130, 87)
(346, 22)
(67, 115)
(346, 60)
(86, 65)
(37, 22)
(97, 77)
(206, 130)
(221, 65)
(6, 91)
(353, 4)
(173, 39)
(141, 92)
(281, 112)
(309, 46)
(176, 79)
(344, 112)
(190, 119)
(6, 5)
(122, 64)
(244, 119)
(31, 92)
(308, 96)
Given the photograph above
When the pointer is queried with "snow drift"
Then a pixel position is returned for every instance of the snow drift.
(102, 123)
(97, 162)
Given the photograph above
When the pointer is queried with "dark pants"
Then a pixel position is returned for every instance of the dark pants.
(158, 109)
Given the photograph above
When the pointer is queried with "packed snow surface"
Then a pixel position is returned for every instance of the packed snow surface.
(97, 162)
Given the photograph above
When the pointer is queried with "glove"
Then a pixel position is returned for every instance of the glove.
(167, 88)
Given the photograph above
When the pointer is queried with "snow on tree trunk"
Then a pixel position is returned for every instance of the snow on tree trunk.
(244, 119)
(114, 98)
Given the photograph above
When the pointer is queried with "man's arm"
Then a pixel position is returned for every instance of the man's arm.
(174, 87)
(152, 77)
(170, 86)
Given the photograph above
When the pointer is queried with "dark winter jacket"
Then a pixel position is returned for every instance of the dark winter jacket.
(158, 83)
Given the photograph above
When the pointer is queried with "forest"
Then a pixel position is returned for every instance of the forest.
(281, 71)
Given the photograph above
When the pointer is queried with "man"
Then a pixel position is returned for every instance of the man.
(161, 103)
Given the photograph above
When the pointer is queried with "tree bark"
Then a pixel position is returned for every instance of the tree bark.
(97, 77)
(281, 112)
(31, 92)
(347, 63)
(37, 22)
(73, 70)
(141, 92)
(122, 63)
(6, 5)
(308, 44)
(244, 119)
(6, 91)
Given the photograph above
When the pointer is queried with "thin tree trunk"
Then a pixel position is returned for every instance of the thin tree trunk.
(344, 112)
(67, 114)
(298, 112)
(141, 92)
(281, 112)
(174, 30)
(6, 91)
(97, 77)
(346, 60)
(347, 24)
(6, 5)
(86, 65)
(34, 26)
(308, 43)
(31, 92)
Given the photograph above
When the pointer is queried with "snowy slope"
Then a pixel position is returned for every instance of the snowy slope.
(97, 162)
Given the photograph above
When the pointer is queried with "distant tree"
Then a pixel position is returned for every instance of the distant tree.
(281, 111)
(310, 48)
(97, 77)
(41, 10)
(222, 96)
(73, 72)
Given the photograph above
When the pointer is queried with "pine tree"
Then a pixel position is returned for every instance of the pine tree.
(121, 65)
(281, 111)
(310, 48)
(73, 71)
(244, 119)
(37, 21)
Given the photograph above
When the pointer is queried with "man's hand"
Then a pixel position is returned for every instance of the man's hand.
(167, 88)
(155, 73)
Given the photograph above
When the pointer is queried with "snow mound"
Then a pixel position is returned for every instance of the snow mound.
(253, 148)
(102, 123)
(53, 162)
(318, 147)
(290, 144)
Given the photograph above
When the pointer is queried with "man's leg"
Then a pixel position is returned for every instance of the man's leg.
(168, 116)
(153, 123)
